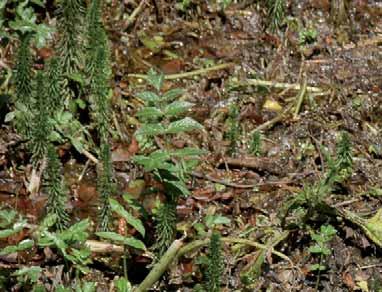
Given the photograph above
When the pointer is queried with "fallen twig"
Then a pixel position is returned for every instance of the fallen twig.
(134, 14)
(259, 82)
(187, 74)
(160, 267)
(258, 163)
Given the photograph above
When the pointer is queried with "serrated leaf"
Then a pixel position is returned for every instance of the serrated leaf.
(184, 125)
(130, 241)
(151, 130)
(155, 79)
(149, 113)
(130, 219)
(177, 107)
(25, 244)
(148, 96)
(172, 94)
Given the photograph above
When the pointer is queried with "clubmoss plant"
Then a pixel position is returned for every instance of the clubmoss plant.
(106, 187)
(255, 144)
(56, 190)
(54, 80)
(40, 125)
(23, 71)
(215, 265)
(165, 228)
(311, 201)
(344, 159)
(100, 90)
(23, 87)
(276, 13)
(96, 38)
(70, 45)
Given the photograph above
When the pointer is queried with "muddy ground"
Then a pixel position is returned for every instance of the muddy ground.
(342, 69)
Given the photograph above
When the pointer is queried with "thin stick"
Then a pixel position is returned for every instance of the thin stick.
(199, 243)
(259, 82)
(300, 98)
(134, 14)
(273, 121)
(90, 156)
(158, 270)
(187, 74)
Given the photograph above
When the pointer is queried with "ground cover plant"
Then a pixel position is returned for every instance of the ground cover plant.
(190, 145)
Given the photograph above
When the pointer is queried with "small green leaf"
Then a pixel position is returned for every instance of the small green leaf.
(17, 227)
(155, 79)
(130, 219)
(317, 267)
(149, 113)
(177, 107)
(151, 130)
(77, 232)
(212, 220)
(7, 217)
(9, 117)
(33, 273)
(123, 285)
(148, 96)
(23, 245)
(172, 94)
(184, 125)
(315, 249)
